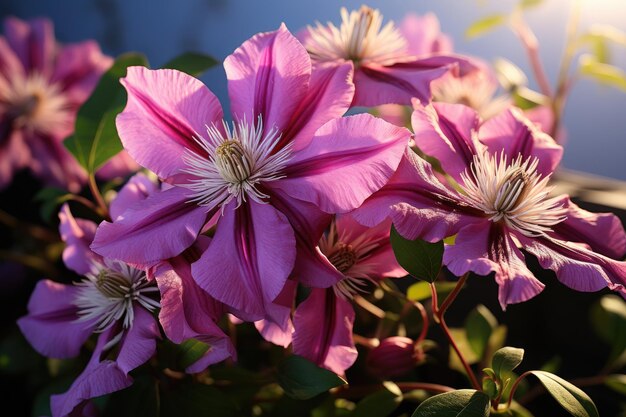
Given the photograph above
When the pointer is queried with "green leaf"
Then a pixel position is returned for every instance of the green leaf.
(609, 319)
(490, 388)
(197, 400)
(570, 397)
(421, 259)
(617, 383)
(95, 139)
(601, 72)
(515, 410)
(461, 403)
(420, 291)
(192, 63)
(50, 199)
(379, 404)
(190, 351)
(506, 359)
(526, 99)
(527, 4)
(485, 25)
(479, 325)
(302, 379)
(509, 75)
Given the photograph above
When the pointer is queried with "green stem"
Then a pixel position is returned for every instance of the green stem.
(103, 210)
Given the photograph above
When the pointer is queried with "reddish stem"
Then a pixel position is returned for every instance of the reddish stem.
(531, 45)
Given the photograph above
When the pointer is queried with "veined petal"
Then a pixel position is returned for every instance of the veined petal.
(139, 343)
(268, 75)
(77, 235)
(249, 259)
(511, 132)
(10, 65)
(323, 330)
(603, 232)
(166, 110)
(33, 42)
(159, 227)
(347, 160)
(137, 189)
(53, 163)
(447, 132)
(51, 325)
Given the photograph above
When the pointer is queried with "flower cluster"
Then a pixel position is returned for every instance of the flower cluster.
(291, 196)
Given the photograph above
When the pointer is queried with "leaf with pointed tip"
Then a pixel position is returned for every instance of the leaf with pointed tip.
(461, 403)
(570, 397)
(421, 259)
(601, 72)
(506, 359)
(479, 325)
(379, 404)
(302, 379)
(484, 25)
(609, 319)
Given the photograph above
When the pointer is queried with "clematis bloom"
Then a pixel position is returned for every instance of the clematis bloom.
(500, 206)
(387, 67)
(286, 160)
(42, 85)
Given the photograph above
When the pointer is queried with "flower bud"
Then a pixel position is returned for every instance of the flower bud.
(395, 356)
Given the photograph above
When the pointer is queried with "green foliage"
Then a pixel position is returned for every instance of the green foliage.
(379, 404)
(527, 4)
(421, 259)
(603, 73)
(485, 25)
(509, 75)
(570, 397)
(50, 199)
(461, 403)
(302, 379)
(609, 319)
(192, 63)
(617, 383)
(506, 360)
(420, 291)
(95, 138)
(191, 350)
(479, 326)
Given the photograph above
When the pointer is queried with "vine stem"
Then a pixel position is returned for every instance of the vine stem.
(514, 387)
(33, 230)
(95, 191)
(360, 391)
(438, 313)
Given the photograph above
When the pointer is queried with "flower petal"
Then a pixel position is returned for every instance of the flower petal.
(487, 247)
(50, 325)
(166, 109)
(14, 153)
(159, 227)
(53, 163)
(323, 330)
(268, 75)
(347, 160)
(33, 42)
(249, 259)
(139, 343)
(77, 235)
(446, 132)
(603, 232)
(137, 189)
(423, 35)
(511, 132)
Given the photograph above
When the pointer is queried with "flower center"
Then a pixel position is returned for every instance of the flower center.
(512, 192)
(239, 161)
(361, 38)
(110, 292)
(343, 258)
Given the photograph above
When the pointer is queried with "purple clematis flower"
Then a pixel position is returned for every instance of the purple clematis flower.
(388, 65)
(42, 85)
(264, 183)
(322, 324)
(501, 204)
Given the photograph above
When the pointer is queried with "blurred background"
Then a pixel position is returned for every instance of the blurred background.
(595, 117)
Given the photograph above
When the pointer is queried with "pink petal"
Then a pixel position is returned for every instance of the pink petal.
(187, 312)
(323, 330)
(14, 153)
(10, 64)
(274, 333)
(329, 96)
(77, 235)
(418, 204)
(120, 166)
(54, 165)
(249, 259)
(487, 247)
(277, 327)
(33, 42)
(399, 83)
(139, 343)
(137, 189)
(603, 232)
(576, 266)
(159, 227)
(268, 75)
(423, 35)
(50, 325)
(512, 133)
(348, 160)
(446, 132)
(166, 110)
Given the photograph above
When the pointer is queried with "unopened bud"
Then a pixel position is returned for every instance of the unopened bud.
(395, 356)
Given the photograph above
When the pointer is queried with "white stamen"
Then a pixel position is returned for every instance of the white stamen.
(109, 293)
(33, 103)
(349, 259)
(237, 163)
(360, 38)
(512, 192)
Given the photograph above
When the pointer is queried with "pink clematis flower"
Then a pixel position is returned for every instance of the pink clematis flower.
(264, 183)
(502, 204)
(42, 85)
(387, 66)
(323, 322)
